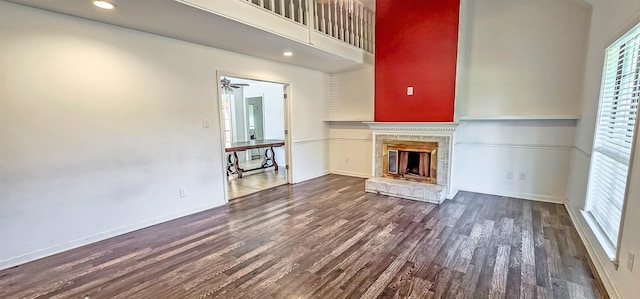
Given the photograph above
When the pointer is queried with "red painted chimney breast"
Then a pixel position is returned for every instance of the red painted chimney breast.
(416, 46)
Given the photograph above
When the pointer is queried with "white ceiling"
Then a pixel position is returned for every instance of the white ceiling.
(179, 21)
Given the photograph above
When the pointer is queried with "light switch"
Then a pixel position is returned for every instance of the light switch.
(410, 90)
(205, 123)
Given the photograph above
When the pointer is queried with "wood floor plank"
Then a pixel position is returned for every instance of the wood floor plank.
(500, 271)
(381, 282)
(327, 238)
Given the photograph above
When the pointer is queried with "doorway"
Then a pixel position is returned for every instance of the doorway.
(254, 126)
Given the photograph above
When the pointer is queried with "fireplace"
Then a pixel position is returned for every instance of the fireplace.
(410, 160)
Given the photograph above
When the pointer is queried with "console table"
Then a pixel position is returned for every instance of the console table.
(269, 160)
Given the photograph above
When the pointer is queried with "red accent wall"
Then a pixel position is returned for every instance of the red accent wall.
(416, 45)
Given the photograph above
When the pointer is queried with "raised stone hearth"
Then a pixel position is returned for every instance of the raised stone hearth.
(432, 193)
(413, 133)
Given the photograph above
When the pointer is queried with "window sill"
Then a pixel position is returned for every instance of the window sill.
(604, 242)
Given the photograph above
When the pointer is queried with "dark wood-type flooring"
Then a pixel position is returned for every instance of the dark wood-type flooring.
(327, 238)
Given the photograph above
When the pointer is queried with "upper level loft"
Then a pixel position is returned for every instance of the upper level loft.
(326, 35)
(349, 21)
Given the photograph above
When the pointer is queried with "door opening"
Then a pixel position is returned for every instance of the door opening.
(253, 123)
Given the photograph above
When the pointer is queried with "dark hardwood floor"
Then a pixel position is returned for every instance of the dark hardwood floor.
(327, 238)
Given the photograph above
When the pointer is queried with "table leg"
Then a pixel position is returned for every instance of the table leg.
(238, 169)
(233, 166)
(269, 156)
(230, 164)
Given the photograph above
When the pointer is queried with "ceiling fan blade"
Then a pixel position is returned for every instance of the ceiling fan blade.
(226, 83)
(234, 85)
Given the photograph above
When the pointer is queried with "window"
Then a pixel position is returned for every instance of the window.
(227, 102)
(612, 145)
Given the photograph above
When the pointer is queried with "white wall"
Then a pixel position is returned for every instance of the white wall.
(351, 149)
(518, 58)
(486, 152)
(100, 126)
(351, 96)
(522, 57)
(350, 102)
(610, 20)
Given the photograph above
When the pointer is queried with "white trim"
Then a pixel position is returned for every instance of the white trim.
(352, 174)
(51, 250)
(313, 176)
(218, 112)
(453, 194)
(518, 145)
(517, 117)
(311, 140)
(288, 121)
(604, 242)
(351, 139)
(527, 196)
(408, 128)
(347, 120)
(595, 252)
(583, 152)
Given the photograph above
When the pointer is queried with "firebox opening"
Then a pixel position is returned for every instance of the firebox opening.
(410, 160)
(413, 164)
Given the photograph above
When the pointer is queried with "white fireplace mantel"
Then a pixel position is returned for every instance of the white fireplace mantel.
(415, 127)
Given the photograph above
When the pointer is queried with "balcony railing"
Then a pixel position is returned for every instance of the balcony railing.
(347, 20)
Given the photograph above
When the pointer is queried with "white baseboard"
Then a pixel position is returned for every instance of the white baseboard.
(596, 253)
(528, 196)
(453, 194)
(41, 253)
(310, 177)
(353, 174)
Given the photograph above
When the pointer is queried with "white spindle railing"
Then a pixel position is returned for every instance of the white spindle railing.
(323, 21)
(281, 8)
(347, 20)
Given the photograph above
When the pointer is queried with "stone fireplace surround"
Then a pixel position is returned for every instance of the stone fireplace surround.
(442, 133)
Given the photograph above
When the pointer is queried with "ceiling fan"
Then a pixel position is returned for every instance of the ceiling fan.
(227, 85)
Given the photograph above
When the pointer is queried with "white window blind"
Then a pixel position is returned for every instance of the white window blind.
(614, 134)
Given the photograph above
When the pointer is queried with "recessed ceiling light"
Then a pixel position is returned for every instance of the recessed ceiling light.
(287, 53)
(104, 4)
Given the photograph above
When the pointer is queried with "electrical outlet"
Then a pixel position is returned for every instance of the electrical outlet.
(523, 176)
(509, 175)
(183, 192)
(630, 259)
